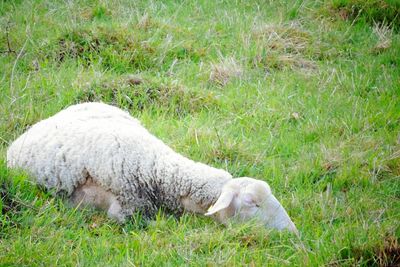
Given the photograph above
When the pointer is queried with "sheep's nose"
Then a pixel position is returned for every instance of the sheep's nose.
(292, 228)
(289, 226)
(278, 217)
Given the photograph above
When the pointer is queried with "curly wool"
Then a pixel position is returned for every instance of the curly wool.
(108, 145)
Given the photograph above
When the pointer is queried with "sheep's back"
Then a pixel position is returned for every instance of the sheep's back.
(90, 139)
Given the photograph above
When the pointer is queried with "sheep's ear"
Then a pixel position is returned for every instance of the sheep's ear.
(223, 202)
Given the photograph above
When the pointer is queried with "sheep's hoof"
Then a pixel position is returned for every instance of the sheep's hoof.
(115, 212)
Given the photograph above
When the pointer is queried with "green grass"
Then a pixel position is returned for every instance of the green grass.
(301, 94)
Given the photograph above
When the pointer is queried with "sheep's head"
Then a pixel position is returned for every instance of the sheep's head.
(246, 199)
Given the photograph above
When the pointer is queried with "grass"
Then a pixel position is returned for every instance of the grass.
(302, 94)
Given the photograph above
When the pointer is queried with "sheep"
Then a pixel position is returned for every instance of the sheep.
(100, 156)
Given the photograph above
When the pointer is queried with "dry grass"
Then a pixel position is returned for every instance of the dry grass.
(384, 34)
(225, 70)
(144, 22)
(283, 47)
(287, 38)
(289, 61)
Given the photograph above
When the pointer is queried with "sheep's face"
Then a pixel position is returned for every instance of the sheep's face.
(247, 199)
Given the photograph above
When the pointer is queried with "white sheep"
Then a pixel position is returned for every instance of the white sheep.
(100, 156)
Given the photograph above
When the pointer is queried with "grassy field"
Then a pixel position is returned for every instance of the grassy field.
(302, 94)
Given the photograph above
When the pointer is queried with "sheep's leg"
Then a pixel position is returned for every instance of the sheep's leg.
(93, 195)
